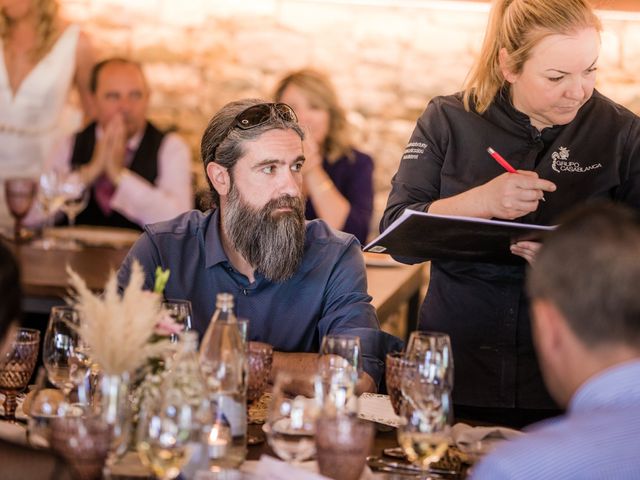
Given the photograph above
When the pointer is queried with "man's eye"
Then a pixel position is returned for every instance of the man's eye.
(268, 169)
(555, 79)
(296, 167)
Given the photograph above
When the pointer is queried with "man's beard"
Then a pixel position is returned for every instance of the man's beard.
(272, 242)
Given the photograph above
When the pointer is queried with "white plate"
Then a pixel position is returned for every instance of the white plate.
(96, 236)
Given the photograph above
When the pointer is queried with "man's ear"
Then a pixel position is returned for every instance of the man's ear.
(503, 61)
(549, 327)
(219, 177)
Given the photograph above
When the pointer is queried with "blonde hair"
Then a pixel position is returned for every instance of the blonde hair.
(518, 26)
(46, 28)
(320, 92)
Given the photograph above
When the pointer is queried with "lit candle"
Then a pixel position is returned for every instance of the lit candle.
(218, 441)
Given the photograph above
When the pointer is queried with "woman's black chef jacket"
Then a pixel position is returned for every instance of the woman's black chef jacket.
(483, 306)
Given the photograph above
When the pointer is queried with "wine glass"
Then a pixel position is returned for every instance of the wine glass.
(290, 425)
(167, 429)
(19, 193)
(181, 313)
(64, 354)
(424, 433)
(339, 363)
(433, 355)
(16, 367)
(51, 199)
(76, 198)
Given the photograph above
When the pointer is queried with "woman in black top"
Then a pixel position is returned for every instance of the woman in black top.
(531, 97)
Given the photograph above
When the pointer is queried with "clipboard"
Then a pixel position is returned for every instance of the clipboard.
(428, 236)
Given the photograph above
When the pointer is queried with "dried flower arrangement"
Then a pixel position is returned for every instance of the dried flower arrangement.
(120, 329)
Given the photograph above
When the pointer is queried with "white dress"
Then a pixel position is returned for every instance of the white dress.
(31, 121)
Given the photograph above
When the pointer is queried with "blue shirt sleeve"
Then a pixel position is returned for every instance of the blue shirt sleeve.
(348, 311)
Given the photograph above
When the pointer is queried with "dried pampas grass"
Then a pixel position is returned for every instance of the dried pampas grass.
(118, 329)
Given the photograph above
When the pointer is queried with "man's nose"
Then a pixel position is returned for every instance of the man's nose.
(290, 183)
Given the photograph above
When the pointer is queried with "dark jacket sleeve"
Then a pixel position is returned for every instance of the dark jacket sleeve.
(417, 182)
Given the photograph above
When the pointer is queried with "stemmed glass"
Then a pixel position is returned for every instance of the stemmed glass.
(339, 364)
(290, 425)
(51, 198)
(16, 367)
(167, 428)
(64, 354)
(19, 193)
(432, 352)
(181, 313)
(424, 433)
(76, 198)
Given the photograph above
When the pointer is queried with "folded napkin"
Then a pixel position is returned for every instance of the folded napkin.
(466, 437)
(13, 432)
(270, 468)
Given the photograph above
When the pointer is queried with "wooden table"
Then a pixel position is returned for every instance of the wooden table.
(44, 278)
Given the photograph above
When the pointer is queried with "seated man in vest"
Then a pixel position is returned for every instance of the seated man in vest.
(137, 174)
(294, 281)
(586, 326)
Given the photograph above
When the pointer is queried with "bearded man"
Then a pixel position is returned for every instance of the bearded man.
(296, 282)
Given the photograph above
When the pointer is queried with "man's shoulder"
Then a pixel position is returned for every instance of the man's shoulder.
(561, 447)
(186, 225)
(319, 233)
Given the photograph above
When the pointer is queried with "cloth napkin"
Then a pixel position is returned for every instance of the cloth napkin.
(466, 437)
(270, 468)
(13, 432)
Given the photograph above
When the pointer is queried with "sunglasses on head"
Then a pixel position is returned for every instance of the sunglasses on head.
(257, 115)
(260, 114)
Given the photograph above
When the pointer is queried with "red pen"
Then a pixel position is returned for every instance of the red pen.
(498, 158)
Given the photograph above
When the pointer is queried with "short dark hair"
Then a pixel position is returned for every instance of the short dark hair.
(97, 68)
(589, 268)
(10, 290)
(222, 144)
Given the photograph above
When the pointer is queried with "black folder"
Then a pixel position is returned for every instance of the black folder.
(427, 236)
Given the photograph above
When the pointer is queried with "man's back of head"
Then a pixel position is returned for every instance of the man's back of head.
(586, 327)
(590, 269)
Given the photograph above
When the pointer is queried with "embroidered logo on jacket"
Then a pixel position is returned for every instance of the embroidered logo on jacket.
(561, 163)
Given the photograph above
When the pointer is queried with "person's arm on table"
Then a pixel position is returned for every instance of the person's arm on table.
(300, 364)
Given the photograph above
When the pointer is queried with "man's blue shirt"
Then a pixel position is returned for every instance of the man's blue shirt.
(327, 294)
(598, 438)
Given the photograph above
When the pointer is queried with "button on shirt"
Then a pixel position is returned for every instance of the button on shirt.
(599, 438)
(328, 293)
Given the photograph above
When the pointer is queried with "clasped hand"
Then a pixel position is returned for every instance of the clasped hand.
(109, 154)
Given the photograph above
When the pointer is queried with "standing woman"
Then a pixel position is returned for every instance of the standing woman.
(530, 96)
(41, 57)
(338, 179)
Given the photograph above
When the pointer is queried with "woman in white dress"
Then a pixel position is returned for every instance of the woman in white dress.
(41, 58)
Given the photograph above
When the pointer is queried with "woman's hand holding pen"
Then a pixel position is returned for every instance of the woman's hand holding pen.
(513, 195)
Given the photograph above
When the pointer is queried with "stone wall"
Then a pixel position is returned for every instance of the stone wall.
(387, 58)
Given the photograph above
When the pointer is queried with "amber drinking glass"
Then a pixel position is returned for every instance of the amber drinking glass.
(19, 193)
(16, 367)
(84, 442)
(260, 358)
(397, 366)
(342, 445)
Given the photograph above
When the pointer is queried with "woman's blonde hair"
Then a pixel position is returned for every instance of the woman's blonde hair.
(46, 28)
(320, 92)
(518, 26)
